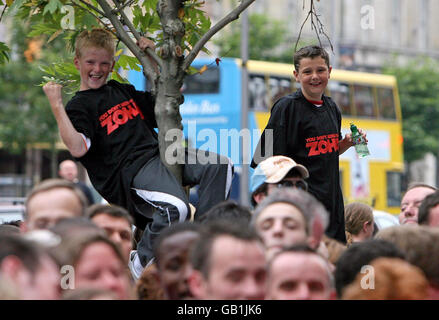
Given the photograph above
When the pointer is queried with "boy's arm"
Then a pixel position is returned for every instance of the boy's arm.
(347, 142)
(72, 138)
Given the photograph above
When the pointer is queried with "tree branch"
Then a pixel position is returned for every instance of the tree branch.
(233, 15)
(92, 7)
(148, 69)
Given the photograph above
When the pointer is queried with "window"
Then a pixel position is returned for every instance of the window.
(394, 182)
(279, 87)
(363, 98)
(340, 93)
(257, 93)
(207, 82)
(386, 103)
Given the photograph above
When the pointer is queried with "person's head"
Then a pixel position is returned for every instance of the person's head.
(31, 270)
(117, 222)
(287, 217)
(228, 262)
(50, 201)
(359, 222)
(68, 170)
(94, 57)
(276, 172)
(360, 254)
(420, 245)
(76, 225)
(148, 286)
(393, 279)
(299, 273)
(312, 71)
(228, 210)
(98, 263)
(428, 213)
(411, 201)
(172, 252)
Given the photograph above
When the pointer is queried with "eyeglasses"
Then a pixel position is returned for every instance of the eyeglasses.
(299, 184)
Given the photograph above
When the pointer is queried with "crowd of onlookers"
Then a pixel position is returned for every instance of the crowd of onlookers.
(67, 248)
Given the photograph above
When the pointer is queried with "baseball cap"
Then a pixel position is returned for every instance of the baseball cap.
(273, 170)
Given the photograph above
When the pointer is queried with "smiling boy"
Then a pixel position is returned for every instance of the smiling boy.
(306, 127)
(110, 128)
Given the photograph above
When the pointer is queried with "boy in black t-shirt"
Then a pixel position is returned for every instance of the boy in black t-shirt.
(109, 128)
(306, 126)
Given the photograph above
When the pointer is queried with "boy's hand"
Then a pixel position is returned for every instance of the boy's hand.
(347, 142)
(145, 43)
(53, 93)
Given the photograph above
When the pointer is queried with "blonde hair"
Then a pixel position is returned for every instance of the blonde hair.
(96, 38)
(394, 279)
(356, 214)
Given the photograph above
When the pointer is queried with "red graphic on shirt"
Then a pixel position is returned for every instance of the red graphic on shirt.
(327, 143)
(119, 115)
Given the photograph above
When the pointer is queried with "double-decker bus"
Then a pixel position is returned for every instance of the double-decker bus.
(212, 117)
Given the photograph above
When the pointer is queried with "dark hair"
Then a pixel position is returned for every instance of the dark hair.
(310, 52)
(111, 210)
(202, 250)
(25, 250)
(358, 255)
(228, 210)
(263, 188)
(68, 226)
(296, 248)
(429, 202)
(170, 231)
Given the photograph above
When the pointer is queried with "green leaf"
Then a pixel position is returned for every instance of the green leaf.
(52, 6)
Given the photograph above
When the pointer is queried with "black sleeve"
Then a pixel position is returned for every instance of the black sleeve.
(80, 118)
(274, 137)
(146, 102)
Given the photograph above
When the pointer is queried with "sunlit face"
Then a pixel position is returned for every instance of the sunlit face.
(237, 271)
(99, 267)
(118, 230)
(298, 276)
(46, 208)
(174, 266)
(279, 225)
(313, 75)
(94, 65)
(410, 204)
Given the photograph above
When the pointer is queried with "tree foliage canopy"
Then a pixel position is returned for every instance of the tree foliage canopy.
(418, 84)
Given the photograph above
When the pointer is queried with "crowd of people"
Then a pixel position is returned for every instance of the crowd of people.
(297, 242)
(66, 248)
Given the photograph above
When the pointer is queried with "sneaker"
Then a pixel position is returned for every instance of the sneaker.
(135, 265)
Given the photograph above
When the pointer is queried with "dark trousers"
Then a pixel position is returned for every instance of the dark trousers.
(165, 200)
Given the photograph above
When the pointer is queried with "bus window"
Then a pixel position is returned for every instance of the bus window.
(207, 82)
(363, 98)
(394, 182)
(386, 103)
(257, 93)
(340, 94)
(279, 87)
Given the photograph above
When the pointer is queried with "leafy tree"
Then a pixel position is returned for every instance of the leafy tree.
(418, 84)
(267, 40)
(180, 29)
(27, 122)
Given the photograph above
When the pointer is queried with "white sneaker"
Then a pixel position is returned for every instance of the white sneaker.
(134, 265)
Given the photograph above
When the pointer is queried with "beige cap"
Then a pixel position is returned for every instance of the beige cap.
(274, 169)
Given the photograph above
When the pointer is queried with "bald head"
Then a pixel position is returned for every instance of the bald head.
(411, 201)
(68, 170)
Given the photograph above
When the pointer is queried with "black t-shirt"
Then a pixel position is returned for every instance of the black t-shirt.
(309, 135)
(120, 122)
